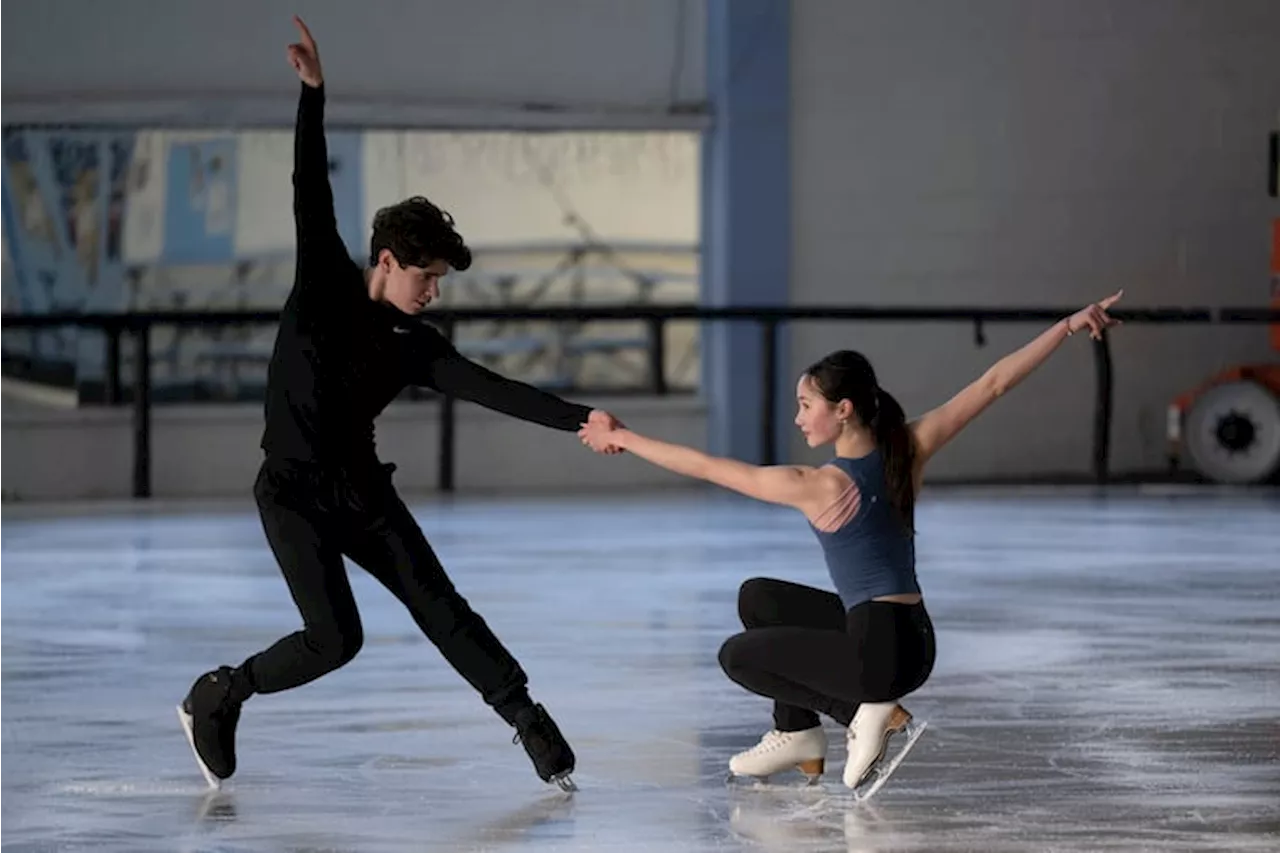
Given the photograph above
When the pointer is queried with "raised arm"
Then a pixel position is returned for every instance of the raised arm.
(934, 429)
(810, 490)
(313, 212)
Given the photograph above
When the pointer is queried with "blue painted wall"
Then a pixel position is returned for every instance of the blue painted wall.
(746, 210)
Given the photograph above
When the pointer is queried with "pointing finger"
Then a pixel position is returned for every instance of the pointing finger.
(1112, 299)
(307, 41)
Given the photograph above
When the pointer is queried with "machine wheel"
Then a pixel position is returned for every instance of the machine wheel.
(1233, 433)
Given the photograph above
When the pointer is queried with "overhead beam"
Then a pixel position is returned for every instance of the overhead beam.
(235, 112)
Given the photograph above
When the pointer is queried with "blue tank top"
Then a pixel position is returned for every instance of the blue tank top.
(874, 553)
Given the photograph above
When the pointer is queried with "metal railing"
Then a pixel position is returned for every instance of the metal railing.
(769, 319)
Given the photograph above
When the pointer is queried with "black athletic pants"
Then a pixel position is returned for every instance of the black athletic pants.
(313, 517)
(803, 650)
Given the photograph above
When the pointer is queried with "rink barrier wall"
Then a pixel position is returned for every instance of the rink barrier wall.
(768, 320)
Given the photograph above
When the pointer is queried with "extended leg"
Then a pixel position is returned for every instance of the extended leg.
(392, 548)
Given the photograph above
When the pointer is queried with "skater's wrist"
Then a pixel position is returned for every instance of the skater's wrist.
(621, 437)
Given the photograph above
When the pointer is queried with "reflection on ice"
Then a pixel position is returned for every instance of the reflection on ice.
(1108, 677)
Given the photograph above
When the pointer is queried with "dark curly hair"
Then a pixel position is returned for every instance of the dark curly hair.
(417, 233)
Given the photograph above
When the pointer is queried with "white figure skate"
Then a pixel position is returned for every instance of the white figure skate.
(868, 740)
(778, 752)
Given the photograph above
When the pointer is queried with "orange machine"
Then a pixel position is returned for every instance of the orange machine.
(1229, 426)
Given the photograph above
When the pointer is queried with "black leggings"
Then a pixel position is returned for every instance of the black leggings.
(803, 650)
(311, 519)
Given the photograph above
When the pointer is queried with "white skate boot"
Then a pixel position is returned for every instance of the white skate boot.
(778, 752)
(868, 740)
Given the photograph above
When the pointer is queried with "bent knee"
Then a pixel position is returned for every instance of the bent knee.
(336, 646)
(732, 656)
(754, 601)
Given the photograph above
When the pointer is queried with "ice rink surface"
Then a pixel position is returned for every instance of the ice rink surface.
(1108, 678)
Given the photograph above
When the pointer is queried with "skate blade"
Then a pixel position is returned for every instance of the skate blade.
(188, 727)
(882, 772)
(565, 783)
(743, 780)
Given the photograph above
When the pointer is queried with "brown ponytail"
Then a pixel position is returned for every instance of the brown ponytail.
(889, 426)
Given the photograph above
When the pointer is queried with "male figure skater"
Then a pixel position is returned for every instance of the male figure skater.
(347, 345)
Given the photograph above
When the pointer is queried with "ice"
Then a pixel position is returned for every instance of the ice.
(1108, 678)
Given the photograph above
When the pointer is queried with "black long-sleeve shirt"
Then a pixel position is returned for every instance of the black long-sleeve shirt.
(341, 357)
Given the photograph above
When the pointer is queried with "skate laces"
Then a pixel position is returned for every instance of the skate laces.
(771, 741)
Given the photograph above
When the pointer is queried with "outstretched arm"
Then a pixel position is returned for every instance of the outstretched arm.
(790, 485)
(443, 368)
(458, 376)
(934, 429)
(313, 214)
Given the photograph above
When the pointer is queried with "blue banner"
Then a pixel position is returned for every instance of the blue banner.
(200, 202)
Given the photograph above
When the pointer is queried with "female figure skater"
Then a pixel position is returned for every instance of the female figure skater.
(853, 654)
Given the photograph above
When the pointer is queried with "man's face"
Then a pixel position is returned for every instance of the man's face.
(411, 289)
